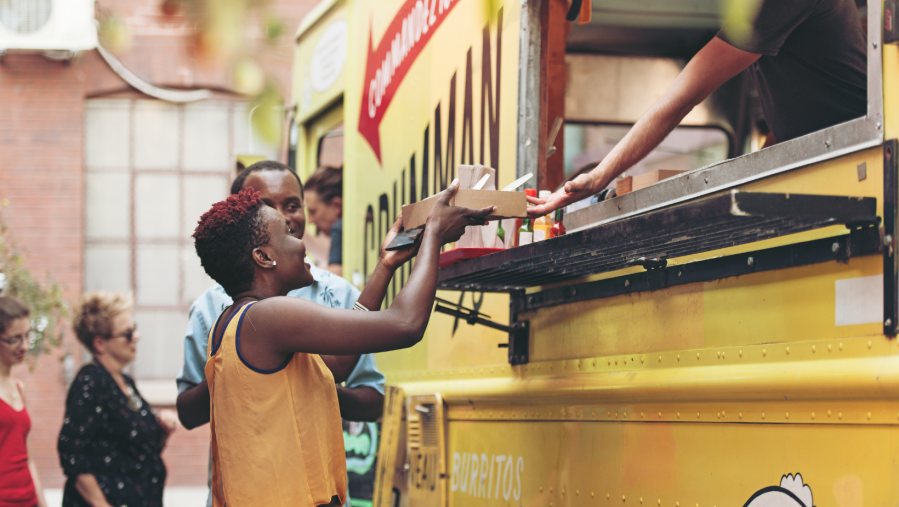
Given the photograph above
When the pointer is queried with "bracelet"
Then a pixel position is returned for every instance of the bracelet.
(357, 306)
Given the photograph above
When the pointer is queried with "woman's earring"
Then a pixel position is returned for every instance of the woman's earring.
(274, 263)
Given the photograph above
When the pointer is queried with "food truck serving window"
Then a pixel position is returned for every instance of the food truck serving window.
(751, 160)
(685, 149)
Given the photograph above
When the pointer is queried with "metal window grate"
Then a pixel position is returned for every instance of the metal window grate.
(712, 223)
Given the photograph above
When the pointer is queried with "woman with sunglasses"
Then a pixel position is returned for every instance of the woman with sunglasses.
(19, 482)
(111, 440)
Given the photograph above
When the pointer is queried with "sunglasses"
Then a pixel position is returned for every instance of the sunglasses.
(128, 335)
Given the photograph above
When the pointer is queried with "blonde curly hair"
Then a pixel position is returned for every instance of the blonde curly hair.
(94, 314)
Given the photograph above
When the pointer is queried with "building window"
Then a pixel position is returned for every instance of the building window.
(152, 168)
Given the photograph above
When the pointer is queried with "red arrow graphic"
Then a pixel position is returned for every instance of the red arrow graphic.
(408, 33)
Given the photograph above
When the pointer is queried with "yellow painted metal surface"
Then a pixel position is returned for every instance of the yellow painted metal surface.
(447, 96)
(707, 393)
(318, 71)
(452, 343)
(311, 134)
(741, 391)
(390, 472)
(776, 306)
(669, 464)
(891, 90)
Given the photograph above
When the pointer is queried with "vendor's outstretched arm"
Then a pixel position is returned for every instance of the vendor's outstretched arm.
(712, 66)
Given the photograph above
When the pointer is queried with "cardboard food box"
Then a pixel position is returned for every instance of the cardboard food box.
(508, 205)
(631, 183)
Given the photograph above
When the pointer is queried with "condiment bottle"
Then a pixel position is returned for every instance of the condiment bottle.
(543, 225)
(526, 233)
(558, 227)
(532, 192)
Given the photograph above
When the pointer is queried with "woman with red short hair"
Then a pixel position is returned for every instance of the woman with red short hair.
(276, 430)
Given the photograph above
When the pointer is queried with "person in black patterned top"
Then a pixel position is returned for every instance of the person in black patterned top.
(111, 440)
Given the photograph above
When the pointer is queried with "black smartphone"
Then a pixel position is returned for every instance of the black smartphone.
(404, 239)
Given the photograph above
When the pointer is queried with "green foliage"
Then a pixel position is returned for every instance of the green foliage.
(48, 308)
(273, 29)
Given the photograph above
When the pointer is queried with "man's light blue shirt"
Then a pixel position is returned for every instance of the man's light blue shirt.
(326, 289)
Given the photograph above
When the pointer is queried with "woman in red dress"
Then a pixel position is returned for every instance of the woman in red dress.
(20, 485)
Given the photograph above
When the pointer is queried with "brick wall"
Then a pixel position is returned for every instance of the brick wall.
(186, 457)
(41, 111)
(42, 177)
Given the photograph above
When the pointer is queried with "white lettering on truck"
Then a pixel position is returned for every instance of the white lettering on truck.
(474, 474)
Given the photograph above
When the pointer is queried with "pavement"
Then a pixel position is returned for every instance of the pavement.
(171, 497)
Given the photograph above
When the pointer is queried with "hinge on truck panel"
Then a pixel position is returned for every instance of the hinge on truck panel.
(656, 274)
(518, 343)
(890, 233)
(518, 331)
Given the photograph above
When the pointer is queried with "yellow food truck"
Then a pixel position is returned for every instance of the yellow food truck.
(723, 337)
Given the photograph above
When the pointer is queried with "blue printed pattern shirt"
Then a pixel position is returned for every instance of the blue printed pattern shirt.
(326, 289)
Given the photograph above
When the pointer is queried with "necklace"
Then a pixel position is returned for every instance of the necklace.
(134, 401)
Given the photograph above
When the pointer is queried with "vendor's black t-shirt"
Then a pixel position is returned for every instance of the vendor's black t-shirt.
(812, 73)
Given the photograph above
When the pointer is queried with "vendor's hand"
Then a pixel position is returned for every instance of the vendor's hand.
(579, 188)
(450, 221)
(395, 258)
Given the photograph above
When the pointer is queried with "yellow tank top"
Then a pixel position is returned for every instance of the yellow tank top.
(277, 438)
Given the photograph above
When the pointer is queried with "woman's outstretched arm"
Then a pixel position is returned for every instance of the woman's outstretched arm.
(373, 295)
(290, 325)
